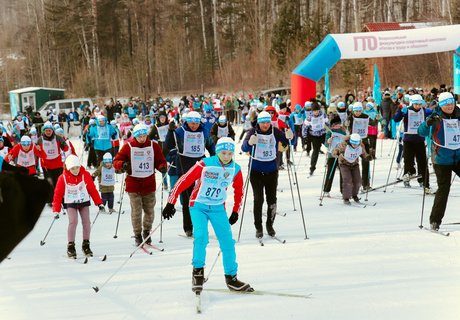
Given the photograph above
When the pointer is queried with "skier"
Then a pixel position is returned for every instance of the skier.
(50, 146)
(262, 142)
(314, 128)
(106, 175)
(222, 128)
(348, 153)
(190, 143)
(24, 155)
(333, 138)
(358, 122)
(139, 158)
(74, 189)
(296, 120)
(102, 135)
(444, 130)
(207, 204)
(413, 144)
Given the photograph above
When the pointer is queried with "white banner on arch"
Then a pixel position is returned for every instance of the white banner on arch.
(398, 43)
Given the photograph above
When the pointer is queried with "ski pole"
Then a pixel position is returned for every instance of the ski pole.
(42, 242)
(96, 288)
(426, 178)
(212, 267)
(119, 210)
(300, 200)
(97, 215)
(290, 184)
(389, 172)
(245, 187)
(161, 209)
(329, 178)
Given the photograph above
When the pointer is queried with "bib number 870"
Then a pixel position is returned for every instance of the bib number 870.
(212, 192)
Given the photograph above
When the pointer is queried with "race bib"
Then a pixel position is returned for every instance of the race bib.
(222, 132)
(51, 149)
(26, 159)
(75, 193)
(414, 120)
(265, 148)
(142, 161)
(451, 134)
(193, 144)
(360, 126)
(162, 132)
(317, 123)
(214, 183)
(102, 133)
(336, 139)
(351, 154)
(107, 176)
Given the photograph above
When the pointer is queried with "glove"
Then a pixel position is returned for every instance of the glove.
(252, 140)
(101, 207)
(56, 215)
(168, 211)
(432, 119)
(372, 153)
(289, 134)
(126, 166)
(233, 218)
(163, 170)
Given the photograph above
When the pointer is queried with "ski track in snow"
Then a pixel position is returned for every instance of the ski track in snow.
(371, 263)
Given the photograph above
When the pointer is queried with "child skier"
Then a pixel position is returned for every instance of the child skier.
(348, 153)
(207, 203)
(75, 187)
(24, 155)
(106, 174)
(334, 137)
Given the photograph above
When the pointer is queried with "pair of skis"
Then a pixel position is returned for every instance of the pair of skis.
(354, 203)
(261, 240)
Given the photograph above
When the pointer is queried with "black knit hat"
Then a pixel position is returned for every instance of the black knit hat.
(335, 120)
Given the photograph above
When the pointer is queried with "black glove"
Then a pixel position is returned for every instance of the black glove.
(430, 120)
(101, 207)
(233, 218)
(163, 169)
(126, 166)
(168, 211)
(372, 153)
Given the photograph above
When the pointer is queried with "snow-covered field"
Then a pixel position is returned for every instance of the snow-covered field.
(358, 263)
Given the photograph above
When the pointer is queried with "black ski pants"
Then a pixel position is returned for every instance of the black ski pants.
(261, 182)
(415, 150)
(443, 177)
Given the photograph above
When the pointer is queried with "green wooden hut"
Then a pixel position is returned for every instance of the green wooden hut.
(35, 97)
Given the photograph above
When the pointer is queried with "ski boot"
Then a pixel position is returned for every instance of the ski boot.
(112, 211)
(406, 179)
(236, 285)
(435, 226)
(428, 190)
(197, 280)
(86, 250)
(138, 239)
(71, 252)
(356, 199)
(189, 234)
(347, 202)
(269, 227)
(326, 195)
(146, 235)
(259, 233)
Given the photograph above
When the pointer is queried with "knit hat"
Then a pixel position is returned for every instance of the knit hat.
(445, 98)
(140, 130)
(25, 141)
(315, 106)
(72, 161)
(357, 106)
(193, 116)
(59, 131)
(47, 125)
(92, 121)
(222, 119)
(225, 143)
(416, 99)
(107, 157)
(264, 116)
(355, 138)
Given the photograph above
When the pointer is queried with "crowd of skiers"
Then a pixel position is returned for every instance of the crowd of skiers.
(192, 145)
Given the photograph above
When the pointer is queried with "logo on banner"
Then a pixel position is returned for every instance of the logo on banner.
(364, 43)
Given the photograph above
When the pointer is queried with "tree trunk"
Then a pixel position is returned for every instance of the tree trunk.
(356, 15)
(343, 15)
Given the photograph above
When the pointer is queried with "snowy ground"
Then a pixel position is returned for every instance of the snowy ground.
(371, 263)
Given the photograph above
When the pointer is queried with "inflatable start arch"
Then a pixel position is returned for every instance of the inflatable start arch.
(367, 45)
